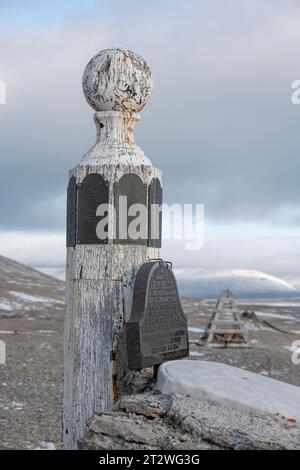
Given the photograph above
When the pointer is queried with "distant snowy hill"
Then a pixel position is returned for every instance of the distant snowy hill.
(58, 272)
(202, 283)
(295, 282)
(25, 290)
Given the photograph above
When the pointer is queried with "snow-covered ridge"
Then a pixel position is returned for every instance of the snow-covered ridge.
(203, 283)
(24, 290)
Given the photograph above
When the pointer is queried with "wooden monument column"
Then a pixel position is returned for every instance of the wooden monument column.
(101, 270)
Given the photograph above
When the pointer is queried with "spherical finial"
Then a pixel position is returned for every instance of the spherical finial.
(117, 80)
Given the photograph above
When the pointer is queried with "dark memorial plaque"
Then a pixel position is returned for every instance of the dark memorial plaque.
(157, 328)
(154, 214)
(92, 192)
(71, 212)
(135, 190)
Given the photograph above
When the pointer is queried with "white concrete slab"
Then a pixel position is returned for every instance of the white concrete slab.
(231, 386)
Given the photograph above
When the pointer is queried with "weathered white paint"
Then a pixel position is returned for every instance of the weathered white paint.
(231, 387)
(100, 277)
(115, 142)
(117, 80)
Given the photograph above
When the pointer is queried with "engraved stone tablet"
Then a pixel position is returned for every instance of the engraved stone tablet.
(92, 192)
(157, 328)
(71, 212)
(154, 214)
(131, 228)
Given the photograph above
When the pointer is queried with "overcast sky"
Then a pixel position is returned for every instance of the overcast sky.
(220, 122)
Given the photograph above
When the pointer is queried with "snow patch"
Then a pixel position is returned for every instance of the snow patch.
(12, 406)
(279, 316)
(6, 305)
(46, 445)
(197, 353)
(35, 298)
(292, 348)
(194, 329)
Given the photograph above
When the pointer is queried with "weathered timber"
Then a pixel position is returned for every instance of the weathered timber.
(100, 277)
(226, 328)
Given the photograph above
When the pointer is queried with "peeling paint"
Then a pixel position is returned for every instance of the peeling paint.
(117, 80)
(117, 84)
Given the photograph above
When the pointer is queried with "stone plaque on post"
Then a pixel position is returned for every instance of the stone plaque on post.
(71, 212)
(157, 328)
(154, 213)
(92, 192)
(131, 188)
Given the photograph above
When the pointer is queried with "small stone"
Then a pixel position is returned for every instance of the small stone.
(102, 442)
(130, 430)
(147, 404)
(138, 381)
(249, 314)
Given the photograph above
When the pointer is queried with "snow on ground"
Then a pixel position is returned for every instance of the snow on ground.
(35, 298)
(197, 354)
(279, 316)
(12, 406)
(6, 305)
(24, 290)
(194, 329)
(26, 301)
(274, 303)
(21, 285)
(48, 445)
(293, 348)
(252, 327)
(44, 445)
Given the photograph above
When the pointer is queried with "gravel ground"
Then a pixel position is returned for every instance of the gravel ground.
(31, 380)
(269, 352)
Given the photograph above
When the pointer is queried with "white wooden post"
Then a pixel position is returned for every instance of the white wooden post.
(117, 84)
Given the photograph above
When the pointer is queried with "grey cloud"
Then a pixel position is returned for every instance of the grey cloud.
(220, 123)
